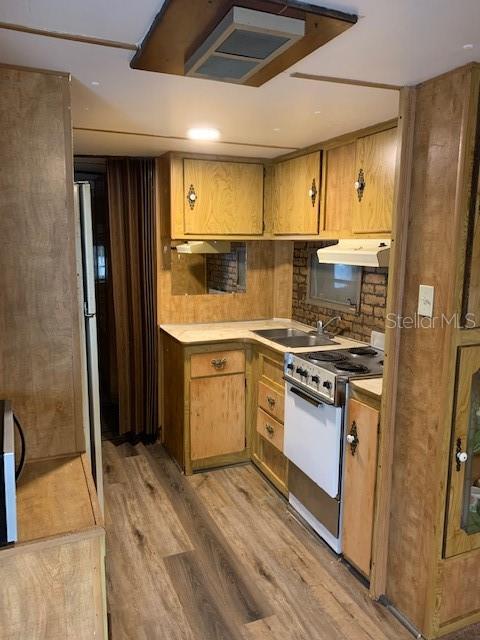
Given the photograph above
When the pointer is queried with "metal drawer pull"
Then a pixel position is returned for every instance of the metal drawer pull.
(352, 438)
(219, 363)
(270, 429)
(271, 401)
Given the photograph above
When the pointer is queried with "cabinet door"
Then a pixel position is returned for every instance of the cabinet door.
(338, 190)
(471, 300)
(375, 166)
(359, 484)
(222, 198)
(295, 194)
(217, 416)
(463, 526)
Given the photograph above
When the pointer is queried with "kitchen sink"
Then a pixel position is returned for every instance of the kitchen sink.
(280, 333)
(295, 338)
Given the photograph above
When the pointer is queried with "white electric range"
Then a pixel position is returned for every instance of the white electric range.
(316, 390)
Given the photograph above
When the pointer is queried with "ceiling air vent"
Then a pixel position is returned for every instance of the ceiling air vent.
(242, 43)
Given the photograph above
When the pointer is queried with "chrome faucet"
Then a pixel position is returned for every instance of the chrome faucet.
(321, 326)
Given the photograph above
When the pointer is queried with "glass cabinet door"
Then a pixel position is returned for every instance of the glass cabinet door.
(471, 494)
(463, 528)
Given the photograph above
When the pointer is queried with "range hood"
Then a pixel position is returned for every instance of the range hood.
(204, 246)
(361, 253)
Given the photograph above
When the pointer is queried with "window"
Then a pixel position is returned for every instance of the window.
(336, 286)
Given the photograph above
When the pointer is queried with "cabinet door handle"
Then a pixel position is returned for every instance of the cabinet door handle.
(219, 363)
(360, 185)
(270, 429)
(271, 401)
(192, 197)
(312, 192)
(460, 456)
(352, 438)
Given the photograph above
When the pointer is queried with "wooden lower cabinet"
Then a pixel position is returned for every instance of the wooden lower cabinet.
(206, 397)
(217, 416)
(267, 453)
(53, 578)
(359, 484)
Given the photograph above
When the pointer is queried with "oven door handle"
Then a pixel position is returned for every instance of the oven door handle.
(304, 396)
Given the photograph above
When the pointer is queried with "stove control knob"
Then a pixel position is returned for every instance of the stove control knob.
(301, 371)
(290, 366)
(315, 379)
(327, 384)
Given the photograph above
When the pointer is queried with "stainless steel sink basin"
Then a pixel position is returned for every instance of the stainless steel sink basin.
(280, 333)
(295, 338)
(305, 341)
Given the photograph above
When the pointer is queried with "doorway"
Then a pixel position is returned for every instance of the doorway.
(93, 170)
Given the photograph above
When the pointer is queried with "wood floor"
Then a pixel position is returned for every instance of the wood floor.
(219, 556)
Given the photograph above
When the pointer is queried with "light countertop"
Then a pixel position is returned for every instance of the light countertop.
(370, 386)
(192, 334)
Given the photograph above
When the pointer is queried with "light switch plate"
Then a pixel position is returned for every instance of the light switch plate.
(425, 300)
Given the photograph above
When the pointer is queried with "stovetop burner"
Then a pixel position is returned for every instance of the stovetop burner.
(362, 351)
(326, 356)
(351, 367)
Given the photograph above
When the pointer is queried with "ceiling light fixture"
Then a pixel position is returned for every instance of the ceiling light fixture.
(203, 133)
(468, 46)
(95, 83)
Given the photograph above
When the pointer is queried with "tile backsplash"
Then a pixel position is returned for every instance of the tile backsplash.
(371, 314)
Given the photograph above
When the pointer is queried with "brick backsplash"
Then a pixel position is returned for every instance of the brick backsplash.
(222, 269)
(358, 326)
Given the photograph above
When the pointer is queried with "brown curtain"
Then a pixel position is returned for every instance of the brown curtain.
(133, 261)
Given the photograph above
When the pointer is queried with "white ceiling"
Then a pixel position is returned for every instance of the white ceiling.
(395, 41)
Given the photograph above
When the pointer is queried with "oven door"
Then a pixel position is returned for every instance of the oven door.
(313, 438)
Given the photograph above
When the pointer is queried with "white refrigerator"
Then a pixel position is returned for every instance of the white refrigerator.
(88, 330)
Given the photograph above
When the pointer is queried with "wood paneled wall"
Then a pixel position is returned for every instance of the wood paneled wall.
(426, 362)
(268, 277)
(39, 311)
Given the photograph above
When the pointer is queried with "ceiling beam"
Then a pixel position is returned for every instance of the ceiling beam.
(184, 138)
(68, 36)
(350, 81)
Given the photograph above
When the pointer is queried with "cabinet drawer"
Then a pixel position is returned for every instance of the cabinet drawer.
(271, 401)
(217, 363)
(270, 429)
(271, 369)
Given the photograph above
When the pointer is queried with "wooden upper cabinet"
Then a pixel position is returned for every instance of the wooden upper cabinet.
(359, 484)
(296, 195)
(221, 198)
(338, 190)
(375, 168)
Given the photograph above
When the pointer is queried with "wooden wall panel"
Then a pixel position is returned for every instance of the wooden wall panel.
(421, 428)
(39, 312)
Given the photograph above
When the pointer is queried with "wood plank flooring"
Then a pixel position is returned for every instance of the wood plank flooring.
(218, 556)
